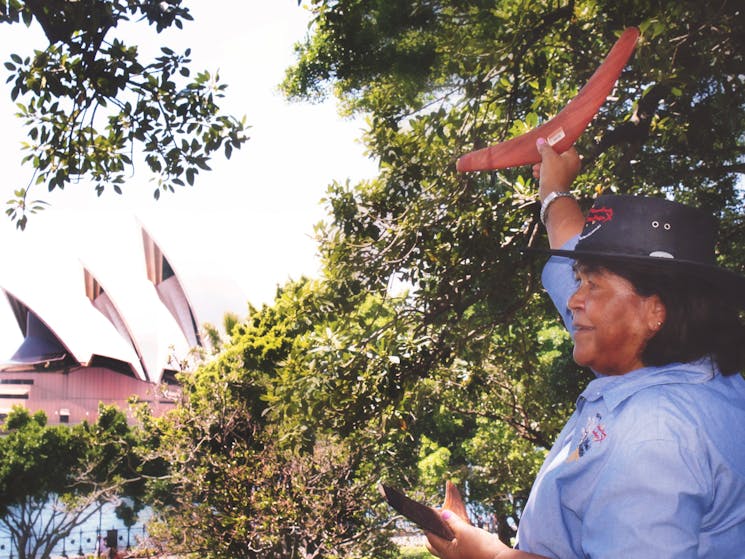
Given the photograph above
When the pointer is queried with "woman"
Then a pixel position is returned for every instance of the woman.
(652, 462)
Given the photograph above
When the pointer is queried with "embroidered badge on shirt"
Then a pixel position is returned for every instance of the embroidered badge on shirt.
(593, 432)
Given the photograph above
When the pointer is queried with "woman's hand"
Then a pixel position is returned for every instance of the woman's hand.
(470, 542)
(555, 173)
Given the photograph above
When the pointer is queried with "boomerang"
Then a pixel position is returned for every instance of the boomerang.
(425, 517)
(563, 129)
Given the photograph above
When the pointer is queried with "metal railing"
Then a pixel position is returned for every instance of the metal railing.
(86, 543)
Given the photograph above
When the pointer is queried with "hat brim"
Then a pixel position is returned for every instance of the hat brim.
(731, 282)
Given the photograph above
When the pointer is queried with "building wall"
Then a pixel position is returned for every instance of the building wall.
(73, 396)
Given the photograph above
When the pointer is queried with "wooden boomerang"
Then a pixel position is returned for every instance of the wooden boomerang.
(454, 502)
(563, 129)
(420, 514)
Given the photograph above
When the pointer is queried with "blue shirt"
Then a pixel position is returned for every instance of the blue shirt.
(651, 463)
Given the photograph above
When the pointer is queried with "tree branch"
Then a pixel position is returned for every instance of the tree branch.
(633, 132)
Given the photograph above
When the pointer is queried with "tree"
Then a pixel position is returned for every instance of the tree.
(54, 478)
(426, 351)
(252, 470)
(89, 101)
(440, 78)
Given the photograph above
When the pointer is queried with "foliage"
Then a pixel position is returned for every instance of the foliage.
(248, 481)
(282, 439)
(239, 493)
(490, 381)
(62, 475)
(426, 351)
(88, 100)
(412, 552)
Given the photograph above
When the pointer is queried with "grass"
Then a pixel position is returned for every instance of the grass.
(414, 552)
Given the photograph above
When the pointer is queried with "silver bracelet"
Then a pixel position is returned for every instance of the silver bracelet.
(550, 199)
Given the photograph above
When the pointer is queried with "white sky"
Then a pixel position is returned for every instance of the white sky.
(249, 220)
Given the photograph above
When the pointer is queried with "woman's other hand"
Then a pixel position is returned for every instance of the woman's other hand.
(470, 542)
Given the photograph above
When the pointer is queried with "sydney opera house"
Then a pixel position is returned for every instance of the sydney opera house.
(106, 326)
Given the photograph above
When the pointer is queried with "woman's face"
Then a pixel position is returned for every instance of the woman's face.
(612, 323)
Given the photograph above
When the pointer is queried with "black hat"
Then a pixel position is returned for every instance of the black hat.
(656, 231)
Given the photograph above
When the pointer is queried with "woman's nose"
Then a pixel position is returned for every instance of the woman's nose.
(576, 300)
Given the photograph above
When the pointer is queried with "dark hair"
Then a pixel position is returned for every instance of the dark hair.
(700, 319)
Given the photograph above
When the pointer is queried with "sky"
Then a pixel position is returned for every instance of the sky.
(247, 224)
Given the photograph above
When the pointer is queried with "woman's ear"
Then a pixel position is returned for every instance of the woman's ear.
(657, 313)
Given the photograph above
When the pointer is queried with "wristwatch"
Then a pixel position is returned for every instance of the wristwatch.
(550, 199)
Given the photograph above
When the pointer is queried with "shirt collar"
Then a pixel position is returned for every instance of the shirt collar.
(615, 389)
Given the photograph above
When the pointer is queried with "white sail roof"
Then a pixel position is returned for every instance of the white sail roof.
(52, 293)
(161, 274)
(86, 279)
(208, 286)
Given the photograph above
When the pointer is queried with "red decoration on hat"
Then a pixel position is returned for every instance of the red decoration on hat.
(599, 215)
